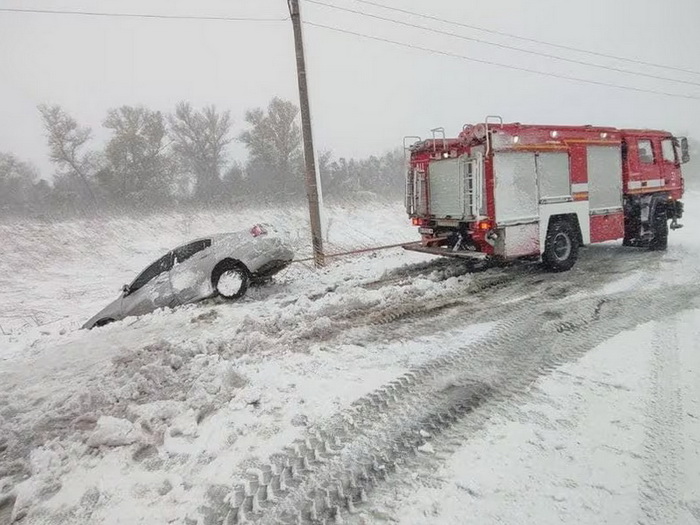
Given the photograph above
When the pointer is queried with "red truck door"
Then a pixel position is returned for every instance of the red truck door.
(644, 164)
(670, 166)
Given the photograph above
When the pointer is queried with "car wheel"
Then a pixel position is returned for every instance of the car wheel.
(230, 280)
(103, 322)
(561, 247)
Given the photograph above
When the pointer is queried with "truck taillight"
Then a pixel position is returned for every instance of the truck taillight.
(485, 225)
(416, 221)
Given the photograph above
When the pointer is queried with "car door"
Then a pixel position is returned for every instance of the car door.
(190, 277)
(151, 289)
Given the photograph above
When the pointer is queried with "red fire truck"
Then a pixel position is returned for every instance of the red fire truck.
(514, 190)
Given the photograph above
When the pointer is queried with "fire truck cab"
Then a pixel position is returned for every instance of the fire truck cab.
(514, 190)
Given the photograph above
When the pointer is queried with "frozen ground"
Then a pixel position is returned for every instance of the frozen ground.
(420, 391)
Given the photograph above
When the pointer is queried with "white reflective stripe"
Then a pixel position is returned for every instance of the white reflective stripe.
(651, 183)
(580, 187)
(551, 200)
(606, 211)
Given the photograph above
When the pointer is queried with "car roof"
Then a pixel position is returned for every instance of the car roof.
(215, 237)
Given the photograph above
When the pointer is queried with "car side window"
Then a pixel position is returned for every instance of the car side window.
(164, 264)
(668, 150)
(646, 151)
(185, 252)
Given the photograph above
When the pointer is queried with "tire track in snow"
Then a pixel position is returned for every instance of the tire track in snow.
(484, 297)
(659, 494)
(422, 396)
(333, 471)
(7, 502)
(448, 442)
(297, 472)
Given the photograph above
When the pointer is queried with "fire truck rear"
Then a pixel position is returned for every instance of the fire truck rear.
(514, 191)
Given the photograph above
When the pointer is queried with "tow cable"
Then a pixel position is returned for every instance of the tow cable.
(355, 252)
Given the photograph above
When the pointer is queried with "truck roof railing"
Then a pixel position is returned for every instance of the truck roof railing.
(435, 131)
(407, 148)
(488, 120)
(407, 137)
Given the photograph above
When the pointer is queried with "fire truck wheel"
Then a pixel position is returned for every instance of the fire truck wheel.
(659, 229)
(561, 247)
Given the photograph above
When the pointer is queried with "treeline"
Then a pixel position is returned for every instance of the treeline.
(153, 160)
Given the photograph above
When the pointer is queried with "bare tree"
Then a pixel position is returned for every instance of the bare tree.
(274, 147)
(17, 183)
(138, 167)
(66, 141)
(199, 141)
(382, 175)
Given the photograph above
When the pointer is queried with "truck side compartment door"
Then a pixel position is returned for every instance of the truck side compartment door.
(516, 192)
(607, 220)
(553, 176)
(517, 203)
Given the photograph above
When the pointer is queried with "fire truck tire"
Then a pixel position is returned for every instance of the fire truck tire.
(561, 247)
(659, 228)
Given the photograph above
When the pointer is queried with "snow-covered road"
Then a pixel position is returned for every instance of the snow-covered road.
(387, 388)
(612, 438)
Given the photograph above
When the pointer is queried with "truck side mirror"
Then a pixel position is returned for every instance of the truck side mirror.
(683, 150)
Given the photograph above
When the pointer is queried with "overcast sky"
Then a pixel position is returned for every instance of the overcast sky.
(365, 95)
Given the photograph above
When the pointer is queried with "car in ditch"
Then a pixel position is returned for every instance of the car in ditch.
(221, 265)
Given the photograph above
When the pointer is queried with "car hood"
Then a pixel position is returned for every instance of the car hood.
(111, 311)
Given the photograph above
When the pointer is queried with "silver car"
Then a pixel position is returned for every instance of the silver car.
(223, 265)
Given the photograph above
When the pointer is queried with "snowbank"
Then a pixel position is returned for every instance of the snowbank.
(55, 276)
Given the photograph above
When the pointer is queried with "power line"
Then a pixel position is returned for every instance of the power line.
(141, 15)
(498, 64)
(526, 39)
(504, 46)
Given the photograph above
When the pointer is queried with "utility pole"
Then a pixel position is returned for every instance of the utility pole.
(309, 157)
